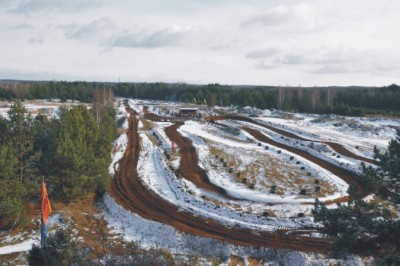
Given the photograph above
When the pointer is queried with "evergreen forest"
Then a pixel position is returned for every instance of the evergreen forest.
(71, 152)
(351, 101)
(369, 228)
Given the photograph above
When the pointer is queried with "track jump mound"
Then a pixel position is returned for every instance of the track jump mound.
(189, 167)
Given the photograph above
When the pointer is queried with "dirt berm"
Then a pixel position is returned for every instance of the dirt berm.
(349, 177)
(189, 167)
(335, 146)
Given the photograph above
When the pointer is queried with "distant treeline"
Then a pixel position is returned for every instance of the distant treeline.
(325, 100)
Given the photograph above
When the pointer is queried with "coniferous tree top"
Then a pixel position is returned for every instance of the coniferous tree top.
(370, 228)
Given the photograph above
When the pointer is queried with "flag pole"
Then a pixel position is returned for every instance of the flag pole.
(45, 211)
(42, 225)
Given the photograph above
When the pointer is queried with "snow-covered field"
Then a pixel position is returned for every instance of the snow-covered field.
(48, 108)
(195, 130)
(363, 133)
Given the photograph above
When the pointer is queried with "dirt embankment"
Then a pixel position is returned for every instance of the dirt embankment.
(188, 166)
(128, 191)
(154, 117)
(347, 176)
(335, 146)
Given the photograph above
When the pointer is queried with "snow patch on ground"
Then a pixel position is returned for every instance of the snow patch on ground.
(150, 234)
(349, 131)
(157, 176)
(194, 130)
(119, 145)
(20, 247)
(33, 238)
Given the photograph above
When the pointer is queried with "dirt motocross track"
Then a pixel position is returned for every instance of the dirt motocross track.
(128, 191)
(188, 166)
(349, 177)
(335, 146)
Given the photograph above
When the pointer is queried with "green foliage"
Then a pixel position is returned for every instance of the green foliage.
(6, 94)
(72, 153)
(81, 152)
(18, 157)
(13, 197)
(354, 101)
(385, 180)
(8, 160)
(359, 227)
(18, 164)
(63, 90)
(370, 228)
(58, 249)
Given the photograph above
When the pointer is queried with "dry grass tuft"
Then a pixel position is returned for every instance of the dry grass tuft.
(235, 261)
(266, 171)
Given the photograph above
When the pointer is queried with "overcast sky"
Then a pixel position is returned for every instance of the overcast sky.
(262, 42)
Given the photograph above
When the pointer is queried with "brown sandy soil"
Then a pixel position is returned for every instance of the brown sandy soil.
(239, 261)
(128, 191)
(188, 166)
(153, 117)
(254, 262)
(335, 146)
(236, 261)
(347, 176)
(156, 118)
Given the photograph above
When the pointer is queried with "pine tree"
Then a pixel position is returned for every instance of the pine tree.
(81, 154)
(370, 228)
(18, 163)
(21, 136)
(385, 180)
(59, 249)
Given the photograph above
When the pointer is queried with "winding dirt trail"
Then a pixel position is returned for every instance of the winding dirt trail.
(349, 177)
(189, 167)
(335, 146)
(128, 191)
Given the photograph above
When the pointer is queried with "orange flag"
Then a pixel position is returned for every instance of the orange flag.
(45, 202)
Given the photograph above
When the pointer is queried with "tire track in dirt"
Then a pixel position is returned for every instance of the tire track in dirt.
(128, 191)
(335, 146)
(189, 167)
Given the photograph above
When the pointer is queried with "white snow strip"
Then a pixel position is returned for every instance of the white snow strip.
(20, 247)
(119, 145)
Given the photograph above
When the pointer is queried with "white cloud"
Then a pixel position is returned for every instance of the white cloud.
(23, 26)
(32, 6)
(331, 69)
(236, 42)
(92, 30)
(266, 52)
(165, 37)
(277, 15)
(300, 16)
(37, 39)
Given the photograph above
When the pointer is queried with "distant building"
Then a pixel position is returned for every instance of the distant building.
(188, 112)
